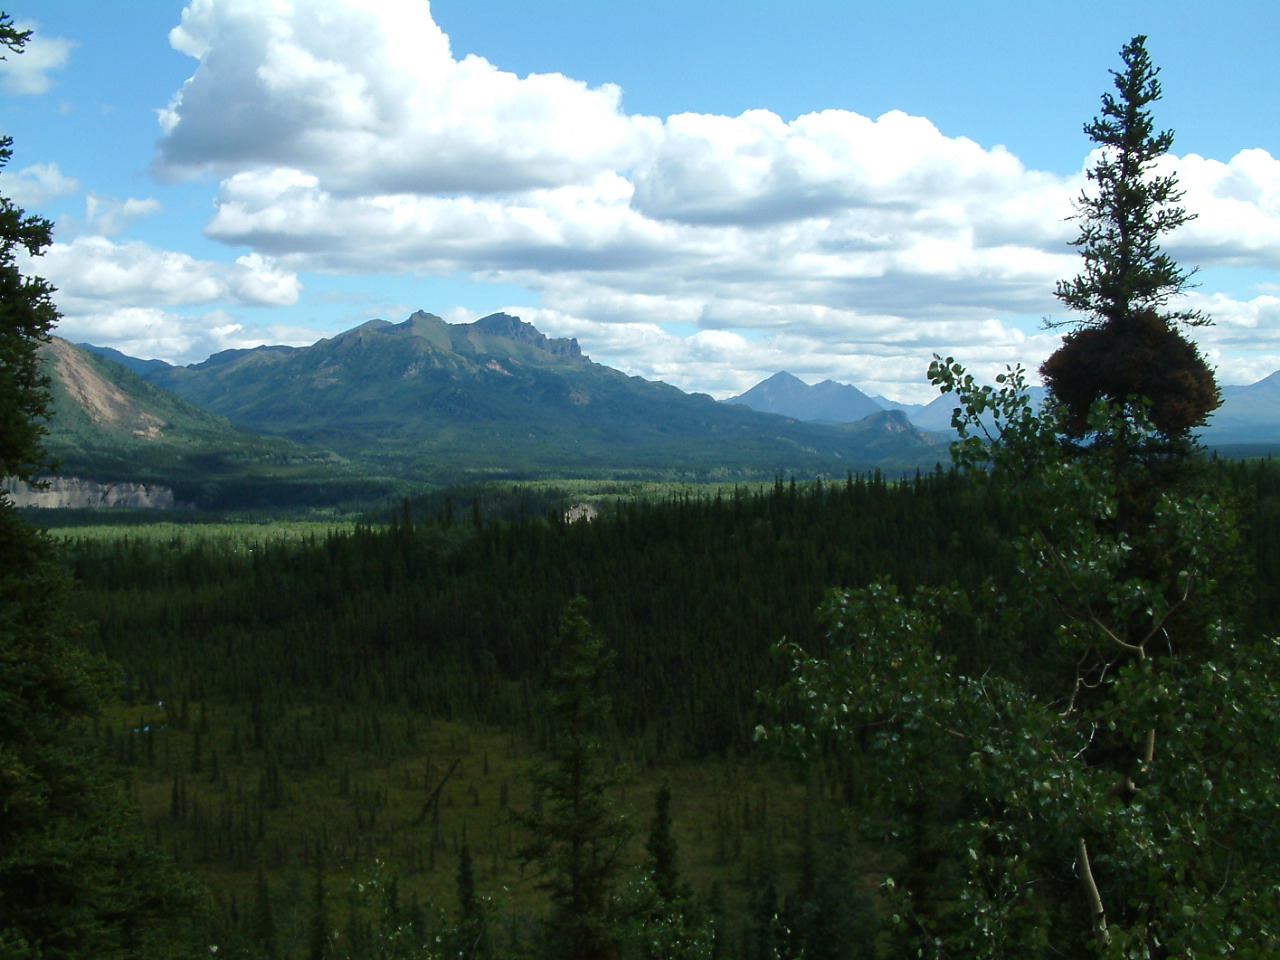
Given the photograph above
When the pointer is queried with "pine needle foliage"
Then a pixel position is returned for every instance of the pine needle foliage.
(27, 315)
(576, 837)
(1127, 348)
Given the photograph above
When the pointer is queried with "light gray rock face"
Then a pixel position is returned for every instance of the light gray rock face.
(74, 492)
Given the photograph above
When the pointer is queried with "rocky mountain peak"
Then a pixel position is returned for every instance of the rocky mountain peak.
(513, 328)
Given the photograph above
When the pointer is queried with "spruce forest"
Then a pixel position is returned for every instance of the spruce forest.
(1025, 704)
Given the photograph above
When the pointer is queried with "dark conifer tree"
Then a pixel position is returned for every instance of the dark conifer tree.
(27, 315)
(468, 901)
(576, 837)
(662, 849)
(319, 942)
(1128, 347)
(471, 932)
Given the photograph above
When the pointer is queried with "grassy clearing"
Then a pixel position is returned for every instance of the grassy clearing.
(245, 533)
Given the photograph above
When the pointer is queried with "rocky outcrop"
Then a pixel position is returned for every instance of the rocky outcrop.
(581, 511)
(513, 328)
(74, 492)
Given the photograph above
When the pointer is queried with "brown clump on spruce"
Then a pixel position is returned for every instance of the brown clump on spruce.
(1143, 358)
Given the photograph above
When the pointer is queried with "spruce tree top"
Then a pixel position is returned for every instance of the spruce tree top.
(1125, 271)
(1126, 349)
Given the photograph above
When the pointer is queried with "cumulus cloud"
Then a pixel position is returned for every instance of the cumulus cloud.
(593, 236)
(109, 216)
(366, 95)
(726, 362)
(38, 184)
(27, 73)
(1237, 207)
(349, 140)
(176, 337)
(756, 168)
(257, 280)
(95, 274)
(289, 214)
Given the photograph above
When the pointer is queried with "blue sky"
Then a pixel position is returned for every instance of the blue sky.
(701, 192)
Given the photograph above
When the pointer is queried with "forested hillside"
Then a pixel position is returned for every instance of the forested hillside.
(451, 616)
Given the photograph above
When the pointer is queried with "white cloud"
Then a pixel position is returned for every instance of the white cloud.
(756, 169)
(259, 281)
(27, 73)
(36, 185)
(95, 269)
(725, 361)
(1238, 210)
(366, 95)
(288, 214)
(349, 140)
(109, 216)
(94, 274)
(179, 338)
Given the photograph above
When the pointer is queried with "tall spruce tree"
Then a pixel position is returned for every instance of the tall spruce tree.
(1128, 349)
(1130, 207)
(663, 851)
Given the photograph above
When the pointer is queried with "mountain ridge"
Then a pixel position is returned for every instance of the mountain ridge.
(499, 396)
(790, 396)
(1248, 414)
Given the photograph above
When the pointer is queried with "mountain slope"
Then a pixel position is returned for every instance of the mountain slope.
(791, 397)
(97, 400)
(140, 367)
(499, 396)
(1248, 414)
(110, 425)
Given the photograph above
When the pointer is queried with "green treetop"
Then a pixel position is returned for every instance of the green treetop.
(1125, 271)
(1127, 349)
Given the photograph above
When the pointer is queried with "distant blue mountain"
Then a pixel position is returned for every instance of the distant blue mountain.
(791, 397)
(842, 403)
(936, 415)
(910, 409)
(1248, 414)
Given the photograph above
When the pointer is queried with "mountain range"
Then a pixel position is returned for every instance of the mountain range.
(428, 401)
(790, 396)
(1248, 415)
(432, 401)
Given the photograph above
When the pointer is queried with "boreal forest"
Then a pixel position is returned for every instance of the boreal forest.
(1023, 704)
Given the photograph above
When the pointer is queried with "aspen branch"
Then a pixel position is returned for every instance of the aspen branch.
(1097, 912)
(1122, 644)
